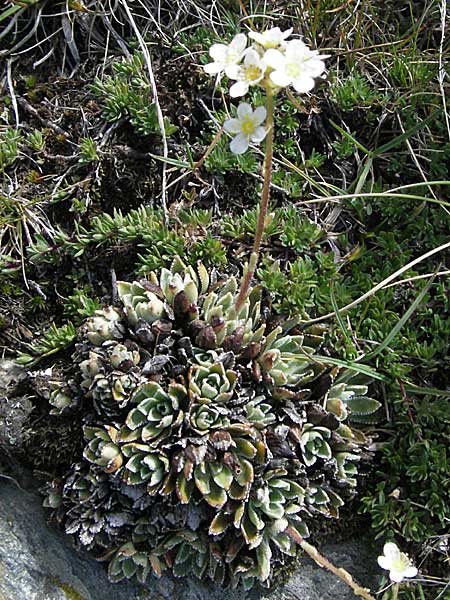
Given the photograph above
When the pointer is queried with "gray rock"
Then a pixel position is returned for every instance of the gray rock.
(14, 409)
(39, 563)
(11, 374)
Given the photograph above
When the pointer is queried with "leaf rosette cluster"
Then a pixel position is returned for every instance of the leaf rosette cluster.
(211, 440)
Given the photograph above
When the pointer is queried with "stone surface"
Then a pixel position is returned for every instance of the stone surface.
(14, 408)
(39, 563)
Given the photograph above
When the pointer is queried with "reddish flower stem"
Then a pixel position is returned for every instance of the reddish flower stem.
(267, 173)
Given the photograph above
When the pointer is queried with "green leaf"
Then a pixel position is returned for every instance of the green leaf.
(202, 479)
(184, 489)
(349, 137)
(361, 405)
(352, 366)
(264, 554)
(129, 568)
(343, 327)
(385, 343)
(222, 476)
(254, 517)
(250, 532)
(245, 448)
(404, 136)
(217, 497)
(219, 524)
(172, 161)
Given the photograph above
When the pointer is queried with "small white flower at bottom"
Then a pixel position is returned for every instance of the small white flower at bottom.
(397, 563)
(247, 127)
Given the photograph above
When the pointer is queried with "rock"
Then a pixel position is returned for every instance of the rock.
(11, 374)
(14, 408)
(39, 563)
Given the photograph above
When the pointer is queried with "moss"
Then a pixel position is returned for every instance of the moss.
(70, 592)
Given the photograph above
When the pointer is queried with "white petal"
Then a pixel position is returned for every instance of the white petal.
(218, 52)
(239, 144)
(384, 562)
(259, 115)
(410, 572)
(314, 67)
(396, 576)
(233, 71)
(258, 135)
(274, 58)
(270, 38)
(213, 68)
(258, 37)
(239, 42)
(232, 125)
(287, 33)
(244, 110)
(391, 550)
(295, 49)
(303, 84)
(280, 78)
(252, 57)
(240, 88)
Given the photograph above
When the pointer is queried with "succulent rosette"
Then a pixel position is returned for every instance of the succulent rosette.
(285, 360)
(109, 374)
(203, 418)
(144, 466)
(129, 562)
(346, 400)
(105, 325)
(314, 444)
(210, 441)
(102, 448)
(212, 385)
(156, 414)
(140, 302)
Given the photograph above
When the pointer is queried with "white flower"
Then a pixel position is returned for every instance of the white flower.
(249, 73)
(272, 38)
(247, 127)
(226, 57)
(297, 65)
(397, 563)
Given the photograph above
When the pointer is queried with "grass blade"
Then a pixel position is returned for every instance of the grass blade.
(394, 331)
(404, 136)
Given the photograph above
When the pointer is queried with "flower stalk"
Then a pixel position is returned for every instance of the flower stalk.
(210, 148)
(265, 196)
(339, 572)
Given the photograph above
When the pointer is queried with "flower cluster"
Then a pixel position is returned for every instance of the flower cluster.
(272, 61)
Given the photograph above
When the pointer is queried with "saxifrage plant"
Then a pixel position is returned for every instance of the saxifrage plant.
(212, 437)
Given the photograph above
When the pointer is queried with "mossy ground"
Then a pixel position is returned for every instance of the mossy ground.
(79, 161)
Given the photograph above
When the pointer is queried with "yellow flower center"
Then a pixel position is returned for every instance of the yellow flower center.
(252, 73)
(293, 70)
(247, 126)
(400, 563)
